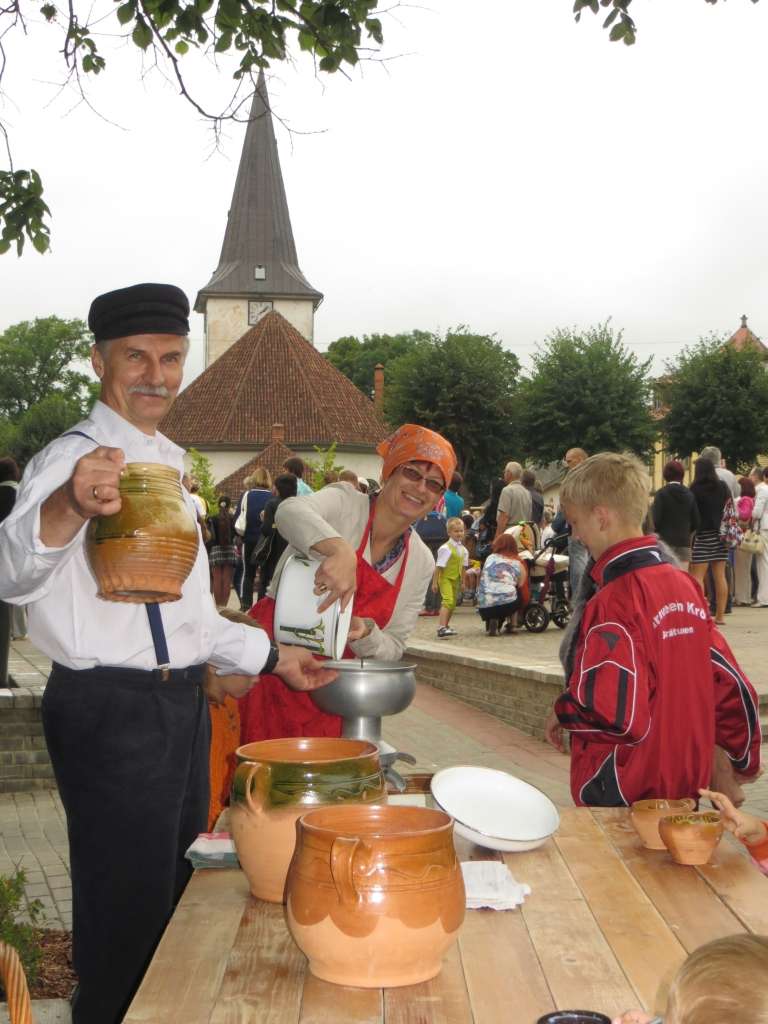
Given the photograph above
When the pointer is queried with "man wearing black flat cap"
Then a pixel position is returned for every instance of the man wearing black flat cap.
(125, 718)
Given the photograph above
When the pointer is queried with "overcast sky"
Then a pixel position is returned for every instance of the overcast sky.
(512, 171)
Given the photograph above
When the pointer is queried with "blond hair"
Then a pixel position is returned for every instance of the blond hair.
(454, 521)
(724, 980)
(260, 477)
(617, 481)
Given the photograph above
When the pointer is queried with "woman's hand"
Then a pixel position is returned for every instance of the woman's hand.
(634, 1017)
(358, 628)
(744, 826)
(336, 577)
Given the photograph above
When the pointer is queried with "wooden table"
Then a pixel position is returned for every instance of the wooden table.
(606, 923)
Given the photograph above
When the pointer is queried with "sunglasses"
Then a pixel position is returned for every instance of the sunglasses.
(435, 486)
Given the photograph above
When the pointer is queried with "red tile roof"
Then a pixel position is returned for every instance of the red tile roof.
(272, 458)
(272, 375)
(745, 338)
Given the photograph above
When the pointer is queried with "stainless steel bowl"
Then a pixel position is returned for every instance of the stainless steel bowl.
(365, 691)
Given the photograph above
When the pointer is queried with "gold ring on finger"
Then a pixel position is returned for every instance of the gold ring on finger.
(95, 492)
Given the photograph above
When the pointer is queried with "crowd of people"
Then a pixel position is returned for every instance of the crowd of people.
(655, 702)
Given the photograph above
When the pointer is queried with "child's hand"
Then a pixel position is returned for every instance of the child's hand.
(744, 826)
(553, 731)
(216, 688)
(633, 1017)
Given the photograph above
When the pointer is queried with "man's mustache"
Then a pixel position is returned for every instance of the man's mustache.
(159, 391)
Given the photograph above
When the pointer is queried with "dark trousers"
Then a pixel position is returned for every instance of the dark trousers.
(130, 755)
(249, 572)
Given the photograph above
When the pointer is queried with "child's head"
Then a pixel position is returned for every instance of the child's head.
(724, 980)
(605, 499)
(455, 528)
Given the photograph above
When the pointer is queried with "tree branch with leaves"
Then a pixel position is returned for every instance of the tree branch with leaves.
(337, 33)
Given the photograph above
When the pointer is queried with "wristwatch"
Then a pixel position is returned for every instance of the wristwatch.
(272, 660)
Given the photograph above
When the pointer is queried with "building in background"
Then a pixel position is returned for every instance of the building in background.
(263, 373)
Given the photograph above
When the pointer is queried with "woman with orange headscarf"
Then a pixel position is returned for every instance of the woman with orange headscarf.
(370, 556)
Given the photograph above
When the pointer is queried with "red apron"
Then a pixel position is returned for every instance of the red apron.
(272, 710)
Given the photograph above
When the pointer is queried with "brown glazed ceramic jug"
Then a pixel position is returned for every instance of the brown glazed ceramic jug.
(375, 895)
(692, 837)
(144, 552)
(646, 815)
(276, 781)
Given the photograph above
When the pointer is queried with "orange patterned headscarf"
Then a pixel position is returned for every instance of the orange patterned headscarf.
(412, 443)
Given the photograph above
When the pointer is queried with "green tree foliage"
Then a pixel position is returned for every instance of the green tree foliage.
(357, 359)
(620, 26)
(585, 390)
(317, 468)
(44, 389)
(39, 358)
(201, 470)
(336, 33)
(38, 426)
(717, 395)
(462, 385)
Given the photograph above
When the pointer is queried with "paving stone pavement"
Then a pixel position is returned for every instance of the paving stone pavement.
(438, 730)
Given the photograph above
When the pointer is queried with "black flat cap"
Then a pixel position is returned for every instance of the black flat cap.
(140, 309)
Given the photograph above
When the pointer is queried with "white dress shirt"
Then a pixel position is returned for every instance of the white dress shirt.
(67, 621)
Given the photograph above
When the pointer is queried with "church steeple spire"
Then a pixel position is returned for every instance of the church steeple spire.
(258, 265)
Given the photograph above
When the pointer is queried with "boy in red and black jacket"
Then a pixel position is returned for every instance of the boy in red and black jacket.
(652, 687)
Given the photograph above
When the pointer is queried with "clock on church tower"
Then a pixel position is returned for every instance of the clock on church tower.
(257, 309)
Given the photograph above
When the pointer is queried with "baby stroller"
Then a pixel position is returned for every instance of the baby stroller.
(548, 572)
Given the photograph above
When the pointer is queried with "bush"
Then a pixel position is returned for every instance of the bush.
(23, 936)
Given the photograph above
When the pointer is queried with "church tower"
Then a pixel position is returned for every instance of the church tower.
(258, 268)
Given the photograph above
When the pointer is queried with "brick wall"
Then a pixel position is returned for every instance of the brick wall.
(24, 760)
(519, 696)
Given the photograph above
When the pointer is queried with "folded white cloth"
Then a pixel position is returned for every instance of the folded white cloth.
(212, 850)
(488, 883)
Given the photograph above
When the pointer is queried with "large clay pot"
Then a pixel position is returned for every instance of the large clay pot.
(375, 895)
(646, 815)
(146, 551)
(276, 781)
(691, 838)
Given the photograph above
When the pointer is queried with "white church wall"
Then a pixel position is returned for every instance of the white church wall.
(223, 463)
(300, 313)
(226, 320)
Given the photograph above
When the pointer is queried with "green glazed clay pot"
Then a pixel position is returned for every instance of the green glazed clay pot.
(145, 551)
(276, 781)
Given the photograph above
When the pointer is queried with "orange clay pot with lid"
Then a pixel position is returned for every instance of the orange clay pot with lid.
(144, 552)
(375, 895)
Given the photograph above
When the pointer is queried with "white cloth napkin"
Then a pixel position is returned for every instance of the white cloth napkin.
(489, 883)
(212, 850)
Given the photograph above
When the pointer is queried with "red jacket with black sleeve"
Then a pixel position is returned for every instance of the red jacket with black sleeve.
(654, 686)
